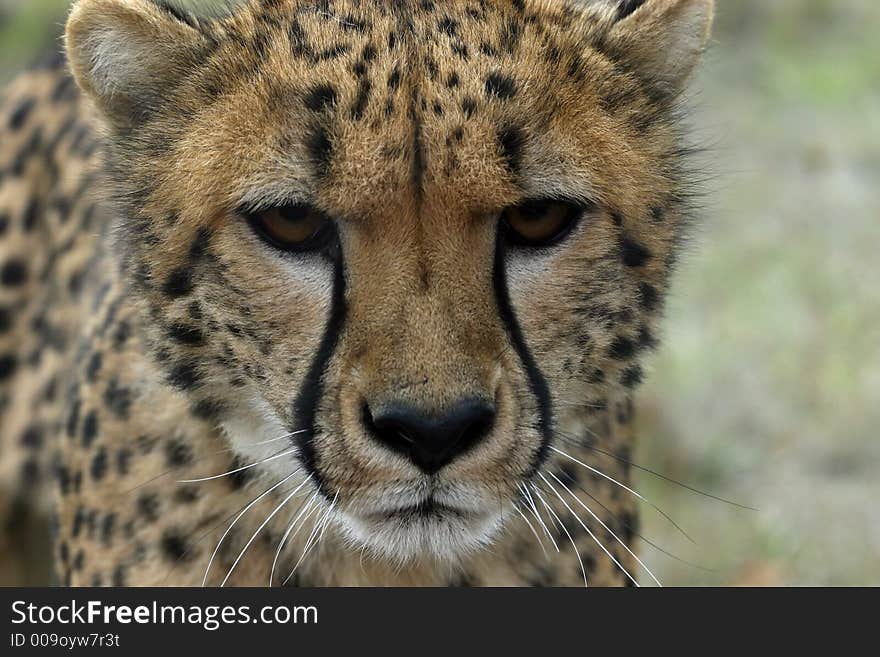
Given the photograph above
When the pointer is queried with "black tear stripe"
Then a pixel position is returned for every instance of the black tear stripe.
(537, 382)
(305, 407)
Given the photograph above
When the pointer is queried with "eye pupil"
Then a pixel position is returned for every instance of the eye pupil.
(533, 209)
(541, 222)
(294, 227)
(294, 212)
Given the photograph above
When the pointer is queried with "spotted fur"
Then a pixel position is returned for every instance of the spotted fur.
(148, 337)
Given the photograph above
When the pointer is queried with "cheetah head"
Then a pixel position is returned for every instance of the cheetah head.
(400, 247)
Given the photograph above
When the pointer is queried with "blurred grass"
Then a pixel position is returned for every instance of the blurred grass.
(767, 388)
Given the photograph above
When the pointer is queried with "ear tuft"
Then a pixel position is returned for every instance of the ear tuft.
(663, 39)
(125, 53)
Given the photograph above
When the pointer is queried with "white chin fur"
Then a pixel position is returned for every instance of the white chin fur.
(406, 540)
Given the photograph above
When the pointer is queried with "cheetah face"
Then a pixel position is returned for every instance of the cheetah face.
(401, 248)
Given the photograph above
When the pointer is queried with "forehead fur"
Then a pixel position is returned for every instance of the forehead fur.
(393, 103)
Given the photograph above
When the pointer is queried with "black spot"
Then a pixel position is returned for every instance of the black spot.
(186, 494)
(350, 22)
(62, 475)
(500, 86)
(622, 348)
(121, 334)
(148, 506)
(94, 366)
(239, 477)
(5, 319)
(461, 50)
(186, 334)
(321, 97)
(658, 214)
(120, 576)
(178, 453)
(174, 545)
(99, 464)
(453, 80)
(32, 438)
(199, 247)
(633, 253)
(333, 52)
(363, 97)
(510, 36)
(596, 376)
(90, 428)
(511, 140)
(629, 526)
(448, 25)
(394, 78)
(646, 338)
(107, 524)
(626, 7)
(184, 376)
(631, 377)
(14, 273)
(30, 472)
(21, 112)
(123, 460)
(65, 89)
(73, 417)
(208, 409)
(31, 215)
(179, 283)
(118, 399)
(648, 296)
(468, 106)
(320, 150)
(8, 365)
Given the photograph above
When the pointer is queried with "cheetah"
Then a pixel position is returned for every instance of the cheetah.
(338, 293)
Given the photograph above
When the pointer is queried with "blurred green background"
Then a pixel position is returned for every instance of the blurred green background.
(767, 388)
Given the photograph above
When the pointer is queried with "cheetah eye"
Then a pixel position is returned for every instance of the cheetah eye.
(295, 227)
(539, 222)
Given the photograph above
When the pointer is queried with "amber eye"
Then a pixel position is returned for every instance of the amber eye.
(297, 227)
(540, 222)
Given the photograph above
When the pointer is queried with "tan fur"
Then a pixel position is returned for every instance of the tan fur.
(441, 115)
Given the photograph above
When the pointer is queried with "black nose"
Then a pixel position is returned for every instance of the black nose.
(431, 440)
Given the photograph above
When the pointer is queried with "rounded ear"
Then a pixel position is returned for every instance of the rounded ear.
(662, 40)
(126, 53)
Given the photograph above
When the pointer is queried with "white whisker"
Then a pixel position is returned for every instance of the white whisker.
(245, 467)
(599, 520)
(559, 522)
(532, 528)
(260, 528)
(587, 529)
(237, 518)
(274, 440)
(626, 488)
(308, 506)
(312, 540)
(534, 509)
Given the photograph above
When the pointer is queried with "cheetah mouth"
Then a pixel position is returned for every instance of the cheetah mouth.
(429, 508)
(431, 526)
